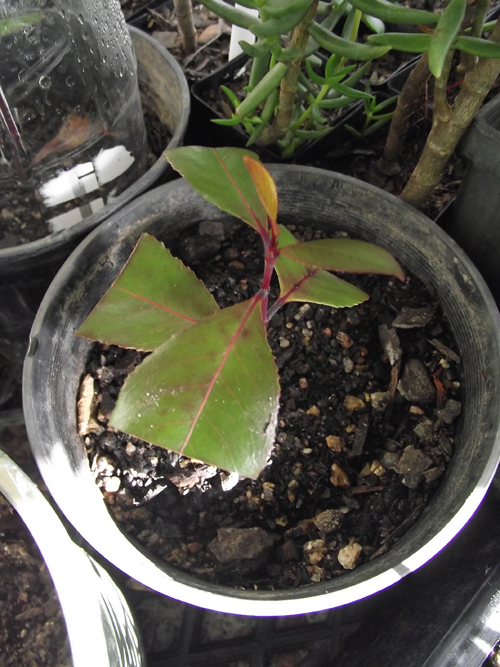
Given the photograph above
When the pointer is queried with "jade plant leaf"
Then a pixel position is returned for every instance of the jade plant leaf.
(301, 283)
(211, 392)
(344, 255)
(445, 34)
(221, 177)
(148, 300)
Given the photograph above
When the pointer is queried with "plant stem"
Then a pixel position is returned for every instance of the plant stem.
(288, 87)
(184, 14)
(407, 101)
(449, 124)
(481, 7)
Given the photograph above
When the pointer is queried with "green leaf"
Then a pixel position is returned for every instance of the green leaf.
(227, 122)
(335, 103)
(233, 98)
(299, 283)
(257, 50)
(392, 12)
(348, 255)
(148, 300)
(478, 47)
(315, 78)
(375, 24)
(445, 34)
(274, 27)
(210, 392)
(221, 177)
(17, 23)
(345, 47)
(403, 41)
(232, 14)
(280, 8)
(263, 89)
(350, 92)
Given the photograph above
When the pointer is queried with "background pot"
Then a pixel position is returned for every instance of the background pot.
(26, 271)
(472, 219)
(100, 627)
(55, 365)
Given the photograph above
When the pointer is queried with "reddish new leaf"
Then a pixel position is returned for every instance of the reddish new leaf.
(301, 283)
(266, 189)
(154, 297)
(211, 392)
(222, 178)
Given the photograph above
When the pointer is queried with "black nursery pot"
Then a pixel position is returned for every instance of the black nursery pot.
(56, 363)
(473, 218)
(203, 132)
(26, 271)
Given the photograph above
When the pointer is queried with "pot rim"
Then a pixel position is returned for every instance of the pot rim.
(413, 550)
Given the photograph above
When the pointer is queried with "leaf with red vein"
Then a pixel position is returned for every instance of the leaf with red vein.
(301, 283)
(148, 302)
(211, 392)
(221, 177)
(344, 255)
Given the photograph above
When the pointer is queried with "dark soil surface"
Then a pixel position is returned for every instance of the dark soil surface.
(212, 37)
(32, 628)
(369, 400)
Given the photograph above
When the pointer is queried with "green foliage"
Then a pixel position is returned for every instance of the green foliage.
(210, 388)
(450, 32)
(375, 115)
(285, 102)
(17, 23)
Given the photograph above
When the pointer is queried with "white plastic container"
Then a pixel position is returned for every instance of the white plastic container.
(107, 637)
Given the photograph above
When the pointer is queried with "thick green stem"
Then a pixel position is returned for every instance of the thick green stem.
(476, 23)
(288, 87)
(449, 124)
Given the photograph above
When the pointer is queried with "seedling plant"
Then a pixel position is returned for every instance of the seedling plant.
(210, 387)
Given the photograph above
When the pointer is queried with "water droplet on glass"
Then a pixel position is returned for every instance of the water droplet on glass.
(44, 82)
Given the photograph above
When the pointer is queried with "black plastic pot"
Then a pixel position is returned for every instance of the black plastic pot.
(56, 362)
(473, 218)
(203, 132)
(26, 271)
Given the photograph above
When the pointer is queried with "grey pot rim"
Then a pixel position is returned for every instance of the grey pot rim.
(51, 242)
(83, 587)
(365, 580)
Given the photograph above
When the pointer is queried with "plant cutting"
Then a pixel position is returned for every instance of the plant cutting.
(143, 473)
(218, 404)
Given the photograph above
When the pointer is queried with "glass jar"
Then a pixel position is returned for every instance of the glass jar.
(72, 132)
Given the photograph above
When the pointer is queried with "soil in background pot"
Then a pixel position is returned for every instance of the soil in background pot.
(23, 215)
(32, 627)
(370, 397)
